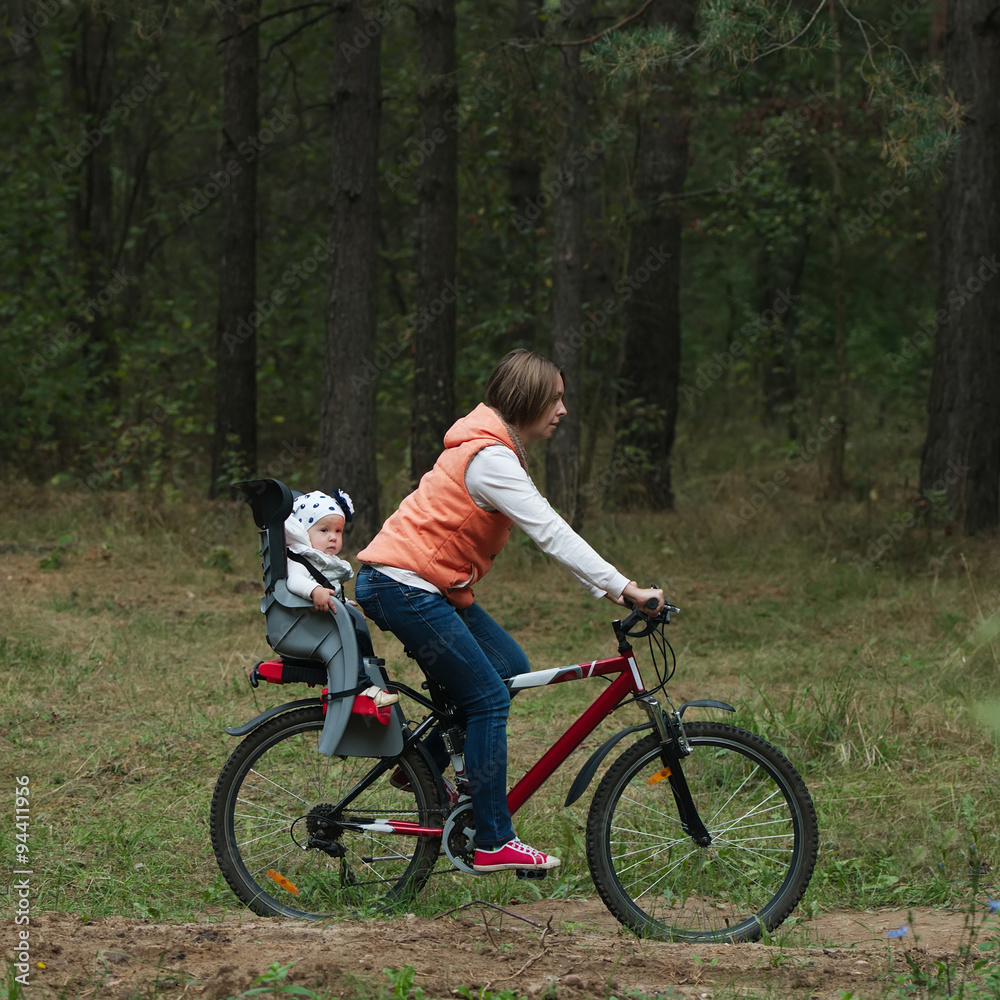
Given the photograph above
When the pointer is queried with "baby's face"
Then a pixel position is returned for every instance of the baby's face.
(327, 534)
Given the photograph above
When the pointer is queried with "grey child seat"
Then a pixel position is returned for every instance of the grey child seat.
(305, 637)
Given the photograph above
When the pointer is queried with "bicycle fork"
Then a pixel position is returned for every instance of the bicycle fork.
(673, 746)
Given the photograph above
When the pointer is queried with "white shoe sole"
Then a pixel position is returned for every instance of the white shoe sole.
(551, 863)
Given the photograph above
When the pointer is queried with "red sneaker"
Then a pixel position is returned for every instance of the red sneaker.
(512, 855)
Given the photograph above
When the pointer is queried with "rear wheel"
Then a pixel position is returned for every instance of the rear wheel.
(659, 882)
(276, 827)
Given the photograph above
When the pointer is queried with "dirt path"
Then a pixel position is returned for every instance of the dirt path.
(574, 947)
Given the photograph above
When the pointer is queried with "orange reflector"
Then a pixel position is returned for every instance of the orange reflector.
(653, 778)
(280, 879)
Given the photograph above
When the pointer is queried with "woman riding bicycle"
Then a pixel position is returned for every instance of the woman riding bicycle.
(418, 572)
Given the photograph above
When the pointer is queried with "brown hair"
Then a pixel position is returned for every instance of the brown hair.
(521, 386)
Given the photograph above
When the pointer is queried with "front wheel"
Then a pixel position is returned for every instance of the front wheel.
(277, 824)
(657, 881)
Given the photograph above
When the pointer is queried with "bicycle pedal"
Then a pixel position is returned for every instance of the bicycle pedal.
(531, 873)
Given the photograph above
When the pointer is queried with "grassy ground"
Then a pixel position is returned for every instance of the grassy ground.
(123, 659)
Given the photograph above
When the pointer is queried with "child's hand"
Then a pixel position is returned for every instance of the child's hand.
(323, 599)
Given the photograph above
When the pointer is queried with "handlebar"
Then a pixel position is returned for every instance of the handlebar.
(650, 622)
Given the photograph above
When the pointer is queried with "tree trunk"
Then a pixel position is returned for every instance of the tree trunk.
(524, 171)
(647, 411)
(234, 445)
(779, 383)
(562, 459)
(961, 455)
(434, 360)
(836, 480)
(91, 80)
(781, 285)
(347, 427)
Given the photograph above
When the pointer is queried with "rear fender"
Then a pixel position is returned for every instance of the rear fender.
(259, 720)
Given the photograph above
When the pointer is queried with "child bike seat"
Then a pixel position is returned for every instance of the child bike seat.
(341, 642)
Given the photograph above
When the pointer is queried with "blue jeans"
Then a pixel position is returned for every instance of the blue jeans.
(469, 655)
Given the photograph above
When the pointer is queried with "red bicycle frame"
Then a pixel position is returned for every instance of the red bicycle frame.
(629, 682)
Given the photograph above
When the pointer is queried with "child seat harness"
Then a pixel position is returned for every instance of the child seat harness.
(313, 572)
(365, 647)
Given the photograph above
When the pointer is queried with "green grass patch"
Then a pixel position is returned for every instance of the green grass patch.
(123, 660)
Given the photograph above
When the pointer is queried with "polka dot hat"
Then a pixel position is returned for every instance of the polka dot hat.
(310, 507)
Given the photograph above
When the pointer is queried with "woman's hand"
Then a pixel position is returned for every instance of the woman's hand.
(323, 599)
(639, 596)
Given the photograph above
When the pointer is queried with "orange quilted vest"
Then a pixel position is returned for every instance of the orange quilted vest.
(438, 531)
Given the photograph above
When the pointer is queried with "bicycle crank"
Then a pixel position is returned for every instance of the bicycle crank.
(459, 838)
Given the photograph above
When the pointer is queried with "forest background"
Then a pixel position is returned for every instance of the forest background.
(243, 239)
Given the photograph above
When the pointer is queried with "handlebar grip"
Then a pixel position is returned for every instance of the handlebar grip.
(651, 603)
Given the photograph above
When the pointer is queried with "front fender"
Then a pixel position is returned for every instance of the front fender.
(259, 720)
(587, 772)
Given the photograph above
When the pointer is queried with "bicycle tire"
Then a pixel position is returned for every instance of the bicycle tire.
(659, 883)
(269, 800)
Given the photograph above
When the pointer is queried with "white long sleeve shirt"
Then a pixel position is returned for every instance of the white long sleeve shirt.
(497, 483)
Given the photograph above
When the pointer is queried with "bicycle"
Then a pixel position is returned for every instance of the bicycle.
(699, 832)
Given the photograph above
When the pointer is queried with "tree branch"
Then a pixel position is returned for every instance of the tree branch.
(607, 31)
(302, 27)
(271, 17)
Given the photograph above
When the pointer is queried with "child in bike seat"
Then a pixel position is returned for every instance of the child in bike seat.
(314, 534)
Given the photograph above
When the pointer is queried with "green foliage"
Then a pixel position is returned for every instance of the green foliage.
(632, 55)
(923, 120)
(740, 35)
(402, 983)
(273, 983)
(54, 558)
(132, 408)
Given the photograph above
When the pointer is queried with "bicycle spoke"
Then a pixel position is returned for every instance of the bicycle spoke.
(658, 881)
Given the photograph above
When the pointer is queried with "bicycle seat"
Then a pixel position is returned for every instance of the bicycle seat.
(295, 629)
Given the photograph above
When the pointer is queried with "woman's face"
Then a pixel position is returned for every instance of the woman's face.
(543, 427)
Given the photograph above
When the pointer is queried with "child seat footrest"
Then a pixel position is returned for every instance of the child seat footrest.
(374, 704)
(310, 672)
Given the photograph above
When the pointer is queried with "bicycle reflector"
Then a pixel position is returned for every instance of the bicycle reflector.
(280, 879)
